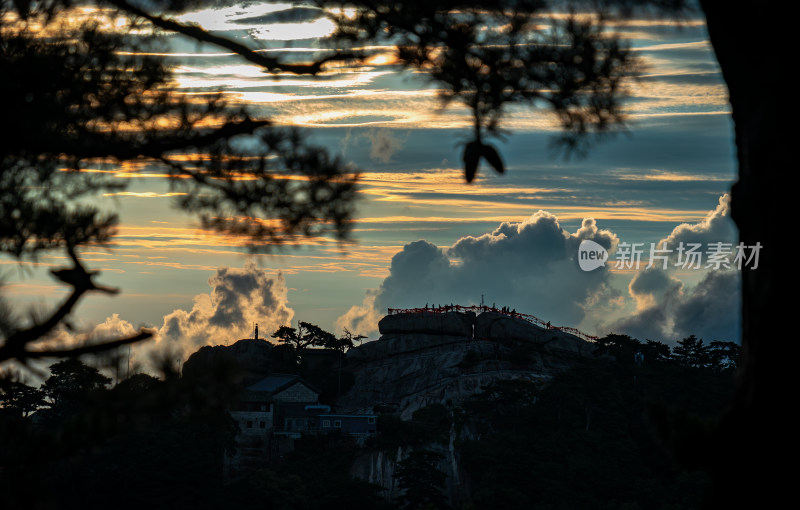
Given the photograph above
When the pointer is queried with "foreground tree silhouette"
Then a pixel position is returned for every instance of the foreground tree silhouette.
(486, 70)
(83, 98)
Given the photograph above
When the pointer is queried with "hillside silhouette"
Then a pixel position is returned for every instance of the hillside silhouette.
(536, 422)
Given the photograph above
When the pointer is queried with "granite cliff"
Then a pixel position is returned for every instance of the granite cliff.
(436, 357)
(443, 358)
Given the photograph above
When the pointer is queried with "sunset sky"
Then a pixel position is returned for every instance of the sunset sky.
(422, 234)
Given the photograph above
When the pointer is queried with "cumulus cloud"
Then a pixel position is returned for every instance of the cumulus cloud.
(712, 309)
(114, 327)
(667, 310)
(79, 335)
(655, 293)
(709, 310)
(360, 319)
(653, 287)
(238, 298)
(717, 226)
(529, 265)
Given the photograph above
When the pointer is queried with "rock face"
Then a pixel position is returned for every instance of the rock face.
(410, 380)
(497, 326)
(444, 358)
(450, 323)
(412, 366)
(397, 343)
(505, 329)
(378, 467)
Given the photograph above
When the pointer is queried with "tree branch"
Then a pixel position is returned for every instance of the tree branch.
(15, 346)
(195, 32)
(88, 349)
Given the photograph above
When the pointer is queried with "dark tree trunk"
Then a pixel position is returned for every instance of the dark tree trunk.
(755, 441)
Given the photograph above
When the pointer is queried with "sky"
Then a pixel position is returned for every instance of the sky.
(422, 235)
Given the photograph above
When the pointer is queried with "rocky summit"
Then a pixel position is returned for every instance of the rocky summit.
(437, 356)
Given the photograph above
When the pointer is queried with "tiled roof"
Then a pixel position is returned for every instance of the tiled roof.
(274, 383)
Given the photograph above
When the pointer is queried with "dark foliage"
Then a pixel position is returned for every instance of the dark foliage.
(606, 434)
(421, 481)
(315, 354)
(315, 476)
(305, 335)
(17, 398)
(431, 424)
(593, 437)
(145, 442)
